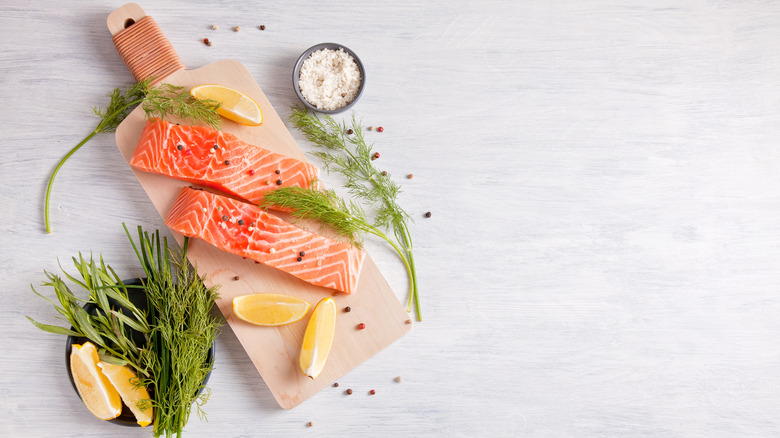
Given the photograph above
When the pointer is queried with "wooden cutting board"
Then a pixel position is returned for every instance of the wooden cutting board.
(273, 350)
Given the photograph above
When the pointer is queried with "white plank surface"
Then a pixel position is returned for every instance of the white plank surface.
(603, 257)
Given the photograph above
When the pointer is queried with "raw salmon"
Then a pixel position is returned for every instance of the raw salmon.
(250, 232)
(216, 159)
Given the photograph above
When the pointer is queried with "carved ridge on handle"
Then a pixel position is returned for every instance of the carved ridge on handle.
(146, 51)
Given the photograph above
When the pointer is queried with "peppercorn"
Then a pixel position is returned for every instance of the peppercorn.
(380, 129)
(206, 41)
(277, 171)
(216, 147)
(372, 392)
(348, 391)
(227, 162)
(428, 214)
(278, 182)
(179, 147)
(408, 321)
(410, 176)
(398, 379)
(262, 27)
(301, 253)
(299, 259)
(349, 132)
(370, 128)
(384, 173)
(336, 385)
(310, 424)
(241, 222)
(235, 278)
(348, 309)
(361, 326)
(214, 27)
(251, 172)
(225, 218)
(236, 29)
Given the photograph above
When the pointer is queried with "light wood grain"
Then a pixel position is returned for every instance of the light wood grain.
(274, 350)
(602, 256)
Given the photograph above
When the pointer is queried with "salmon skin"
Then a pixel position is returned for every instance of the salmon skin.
(251, 232)
(216, 159)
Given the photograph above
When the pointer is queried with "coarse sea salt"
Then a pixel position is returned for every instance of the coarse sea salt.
(329, 79)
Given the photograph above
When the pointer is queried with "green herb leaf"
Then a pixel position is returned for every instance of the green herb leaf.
(57, 330)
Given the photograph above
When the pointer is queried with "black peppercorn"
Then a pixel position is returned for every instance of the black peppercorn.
(278, 182)
(428, 214)
(227, 162)
(241, 222)
(277, 171)
(299, 259)
(301, 253)
(225, 218)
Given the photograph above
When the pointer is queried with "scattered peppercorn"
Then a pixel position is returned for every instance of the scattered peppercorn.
(179, 147)
(310, 424)
(375, 156)
(384, 173)
(216, 147)
(251, 172)
(428, 214)
(236, 29)
(214, 27)
(398, 379)
(299, 259)
(301, 253)
(370, 128)
(347, 309)
(380, 129)
(236, 278)
(278, 182)
(410, 176)
(361, 326)
(188, 152)
(350, 132)
(225, 218)
(277, 171)
(408, 321)
(372, 392)
(206, 41)
(262, 27)
(336, 385)
(241, 222)
(227, 162)
(348, 391)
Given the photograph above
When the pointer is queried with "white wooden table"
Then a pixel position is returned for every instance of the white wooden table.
(603, 256)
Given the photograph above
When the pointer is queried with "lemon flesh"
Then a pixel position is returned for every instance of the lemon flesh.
(318, 338)
(96, 391)
(124, 380)
(234, 105)
(269, 309)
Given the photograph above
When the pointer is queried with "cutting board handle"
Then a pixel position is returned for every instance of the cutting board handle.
(142, 45)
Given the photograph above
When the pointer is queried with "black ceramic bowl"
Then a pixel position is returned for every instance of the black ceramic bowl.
(138, 297)
(297, 72)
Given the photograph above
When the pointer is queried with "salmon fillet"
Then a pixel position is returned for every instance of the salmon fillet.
(250, 232)
(216, 159)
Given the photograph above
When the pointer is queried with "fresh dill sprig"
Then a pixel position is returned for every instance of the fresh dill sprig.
(350, 156)
(157, 101)
(183, 331)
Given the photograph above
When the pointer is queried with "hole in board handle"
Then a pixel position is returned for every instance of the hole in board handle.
(129, 22)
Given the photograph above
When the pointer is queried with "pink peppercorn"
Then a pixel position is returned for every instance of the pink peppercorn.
(380, 129)
(361, 326)
(251, 172)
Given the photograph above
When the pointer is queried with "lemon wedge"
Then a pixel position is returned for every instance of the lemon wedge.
(234, 105)
(124, 380)
(318, 338)
(96, 391)
(269, 309)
